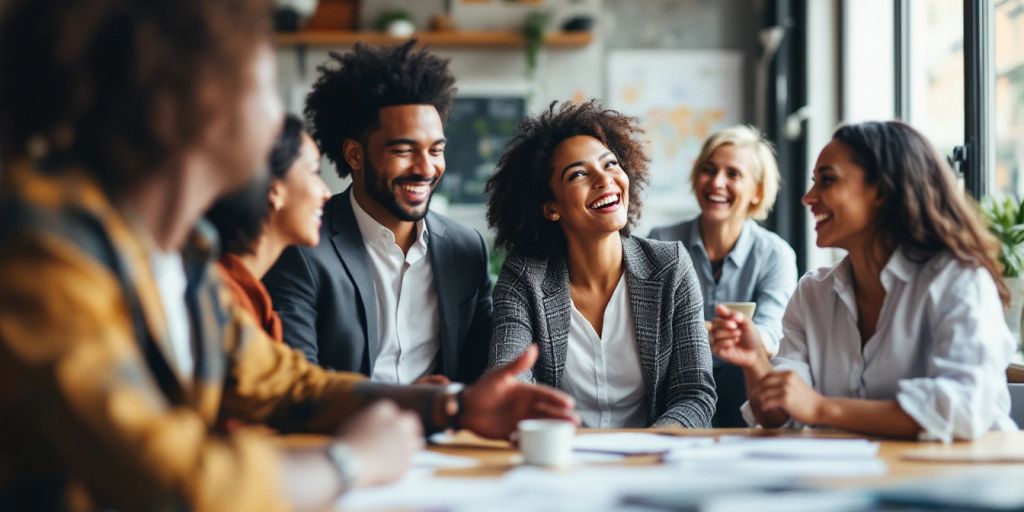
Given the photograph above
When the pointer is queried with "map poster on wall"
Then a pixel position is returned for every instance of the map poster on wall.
(681, 97)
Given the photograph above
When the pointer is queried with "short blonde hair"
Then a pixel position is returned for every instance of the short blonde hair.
(766, 169)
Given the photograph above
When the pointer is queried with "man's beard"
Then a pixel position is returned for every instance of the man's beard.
(377, 188)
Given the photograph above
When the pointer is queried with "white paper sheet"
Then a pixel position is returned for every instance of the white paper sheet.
(630, 443)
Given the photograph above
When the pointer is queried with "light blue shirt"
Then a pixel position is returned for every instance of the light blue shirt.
(760, 268)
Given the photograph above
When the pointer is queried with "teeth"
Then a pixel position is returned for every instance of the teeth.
(822, 216)
(717, 198)
(417, 188)
(605, 201)
(318, 213)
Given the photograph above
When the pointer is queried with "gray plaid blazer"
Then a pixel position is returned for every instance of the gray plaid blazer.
(531, 303)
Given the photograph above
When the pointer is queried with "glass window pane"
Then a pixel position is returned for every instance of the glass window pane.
(937, 71)
(1009, 101)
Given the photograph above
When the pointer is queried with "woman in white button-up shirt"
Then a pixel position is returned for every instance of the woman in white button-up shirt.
(905, 336)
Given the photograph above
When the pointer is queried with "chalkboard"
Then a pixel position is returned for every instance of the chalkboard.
(477, 130)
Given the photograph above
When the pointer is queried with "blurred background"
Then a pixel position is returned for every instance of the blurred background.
(686, 68)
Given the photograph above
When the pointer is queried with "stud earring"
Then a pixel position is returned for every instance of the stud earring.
(555, 217)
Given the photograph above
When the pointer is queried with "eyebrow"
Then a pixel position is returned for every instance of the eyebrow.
(581, 162)
(411, 142)
(824, 168)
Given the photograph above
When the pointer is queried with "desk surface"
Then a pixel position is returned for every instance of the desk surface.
(498, 457)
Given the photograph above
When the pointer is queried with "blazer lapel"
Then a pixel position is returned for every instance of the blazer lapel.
(348, 244)
(439, 251)
(645, 303)
(556, 303)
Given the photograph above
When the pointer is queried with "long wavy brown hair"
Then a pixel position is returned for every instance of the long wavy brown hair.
(923, 210)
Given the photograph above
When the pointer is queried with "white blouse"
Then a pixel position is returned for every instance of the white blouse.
(603, 372)
(940, 349)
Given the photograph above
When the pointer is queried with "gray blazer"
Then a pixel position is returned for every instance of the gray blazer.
(531, 303)
(328, 305)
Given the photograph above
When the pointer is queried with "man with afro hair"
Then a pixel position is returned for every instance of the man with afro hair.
(393, 290)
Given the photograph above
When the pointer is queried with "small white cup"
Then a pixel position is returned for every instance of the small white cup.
(546, 442)
(746, 308)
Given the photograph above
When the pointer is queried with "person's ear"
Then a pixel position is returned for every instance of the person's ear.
(277, 195)
(354, 154)
(551, 212)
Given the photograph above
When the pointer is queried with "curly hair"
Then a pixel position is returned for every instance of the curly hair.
(922, 209)
(121, 87)
(352, 88)
(239, 217)
(521, 184)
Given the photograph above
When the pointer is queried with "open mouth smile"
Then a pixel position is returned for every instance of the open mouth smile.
(606, 203)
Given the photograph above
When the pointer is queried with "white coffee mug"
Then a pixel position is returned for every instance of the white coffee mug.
(546, 442)
(746, 308)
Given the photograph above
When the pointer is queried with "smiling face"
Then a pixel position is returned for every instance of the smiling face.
(299, 198)
(396, 172)
(843, 203)
(590, 189)
(726, 186)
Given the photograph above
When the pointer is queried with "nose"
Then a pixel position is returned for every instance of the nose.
(718, 179)
(325, 193)
(810, 197)
(603, 179)
(422, 165)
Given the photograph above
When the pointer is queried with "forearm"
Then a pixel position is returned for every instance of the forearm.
(752, 375)
(310, 480)
(874, 417)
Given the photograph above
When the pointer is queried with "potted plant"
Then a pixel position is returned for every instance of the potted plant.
(533, 37)
(1006, 221)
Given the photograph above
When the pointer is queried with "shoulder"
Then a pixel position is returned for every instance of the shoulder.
(943, 274)
(770, 245)
(523, 271)
(653, 258)
(460, 236)
(673, 232)
(820, 281)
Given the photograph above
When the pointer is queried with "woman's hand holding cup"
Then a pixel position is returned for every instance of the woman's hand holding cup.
(735, 339)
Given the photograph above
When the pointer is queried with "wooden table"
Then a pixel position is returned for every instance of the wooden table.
(497, 457)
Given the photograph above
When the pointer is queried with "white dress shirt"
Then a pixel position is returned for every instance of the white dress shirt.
(940, 348)
(407, 312)
(171, 281)
(603, 372)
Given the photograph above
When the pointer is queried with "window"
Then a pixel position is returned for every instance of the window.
(1007, 177)
(936, 65)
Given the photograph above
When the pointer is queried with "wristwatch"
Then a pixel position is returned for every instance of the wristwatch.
(452, 404)
(346, 462)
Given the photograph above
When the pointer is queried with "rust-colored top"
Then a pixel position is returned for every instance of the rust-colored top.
(249, 293)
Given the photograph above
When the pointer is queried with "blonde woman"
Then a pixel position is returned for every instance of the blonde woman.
(736, 179)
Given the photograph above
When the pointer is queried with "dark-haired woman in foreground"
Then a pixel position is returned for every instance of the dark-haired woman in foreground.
(905, 336)
(619, 320)
(257, 223)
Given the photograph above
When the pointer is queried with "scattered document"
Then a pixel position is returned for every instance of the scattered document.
(632, 443)
(434, 460)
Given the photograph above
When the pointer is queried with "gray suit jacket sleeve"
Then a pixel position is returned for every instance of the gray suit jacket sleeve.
(292, 284)
(691, 386)
(513, 320)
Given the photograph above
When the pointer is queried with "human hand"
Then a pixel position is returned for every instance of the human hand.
(434, 380)
(735, 339)
(383, 439)
(788, 392)
(493, 406)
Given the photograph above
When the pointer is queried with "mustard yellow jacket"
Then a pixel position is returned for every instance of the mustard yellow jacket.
(87, 420)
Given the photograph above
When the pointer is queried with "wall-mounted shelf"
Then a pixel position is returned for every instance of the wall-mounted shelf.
(450, 38)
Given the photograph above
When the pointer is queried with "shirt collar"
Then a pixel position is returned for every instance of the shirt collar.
(374, 233)
(899, 267)
(740, 251)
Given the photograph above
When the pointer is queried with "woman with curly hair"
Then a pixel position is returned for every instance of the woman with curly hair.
(618, 319)
(258, 222)
(905, 336)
